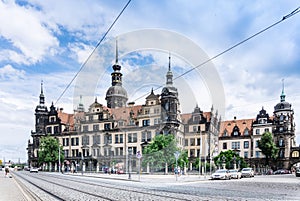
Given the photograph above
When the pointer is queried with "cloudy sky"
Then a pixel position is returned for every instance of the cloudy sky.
(49, 40)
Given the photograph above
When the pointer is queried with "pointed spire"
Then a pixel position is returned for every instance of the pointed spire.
(117, 56)
(96, 99)
(169, 73)
(42, 97)
(169, 61)
(282, 96)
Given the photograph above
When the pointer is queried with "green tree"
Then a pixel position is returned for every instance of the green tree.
(49, 150)
(267, 146)
(160, 151)
(230, 157)
(183, 159)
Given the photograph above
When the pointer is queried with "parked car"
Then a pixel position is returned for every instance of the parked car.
(221, 174)
(282, 171)
(34, 169)
(247, 172)
(298, 172)
(235, 174)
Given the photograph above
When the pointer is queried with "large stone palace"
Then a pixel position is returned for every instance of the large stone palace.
(102, 136)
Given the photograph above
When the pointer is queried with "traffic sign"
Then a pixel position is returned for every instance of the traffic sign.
(138, 154)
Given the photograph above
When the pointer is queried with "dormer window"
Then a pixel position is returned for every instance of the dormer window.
(235, 133)
(246, 132)
(225, 133)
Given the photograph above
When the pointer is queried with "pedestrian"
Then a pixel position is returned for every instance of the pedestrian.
(6, 171)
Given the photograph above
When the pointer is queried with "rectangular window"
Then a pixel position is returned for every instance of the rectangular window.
(246, 144)
(246, 155)
(56, 130)
(192, 140)
(121, 138)
(146, 122)
(134, 137)
(107, 126)
(96, 139)
(257, 131)
(116, 138)
(133, 150)
(67, 141)
(195, 128)
(49, 130)
(52, 119)
(235, 145)
(257, 154)
(85, 128)
(72, 142)
(256, 144)
(85, 140)
(224, 145)
(266, 129)
(77, 141)
(96, 127)
(186, 142)
(66, 153)
(91, 118)
(146, 136)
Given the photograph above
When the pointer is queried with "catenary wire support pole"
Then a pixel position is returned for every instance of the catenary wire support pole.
(59, 168)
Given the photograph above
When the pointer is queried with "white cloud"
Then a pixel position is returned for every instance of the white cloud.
(25, 32)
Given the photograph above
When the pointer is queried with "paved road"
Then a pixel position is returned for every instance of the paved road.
(165, 187)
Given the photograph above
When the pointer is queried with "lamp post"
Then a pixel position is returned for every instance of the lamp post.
(234, 162)
(176, 154)
(82, 161)
(223, 160)
(59, 159)
(129, 154)
(200, 154)
(139, 156)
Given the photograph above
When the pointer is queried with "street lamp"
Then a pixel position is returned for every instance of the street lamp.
(223, 160)
(129, 154)
(176, 154)
(234, 162)
(82, 161)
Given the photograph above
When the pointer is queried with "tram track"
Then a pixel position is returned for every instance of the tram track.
(128, 191)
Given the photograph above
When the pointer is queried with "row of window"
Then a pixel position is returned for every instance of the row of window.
(257, 132)
(118, 151)
(107, 126)
(85, 140)
(236, 145)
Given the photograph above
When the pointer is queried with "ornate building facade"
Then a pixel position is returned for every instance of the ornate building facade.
(243, 135)
(103, 135)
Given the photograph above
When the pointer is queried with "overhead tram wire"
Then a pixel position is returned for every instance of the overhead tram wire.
(297, 10)
(84, 63)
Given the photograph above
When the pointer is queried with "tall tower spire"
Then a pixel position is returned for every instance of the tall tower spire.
(282, 96)
(116, 95)
(169, 73)
(117, 51)
(42, 97)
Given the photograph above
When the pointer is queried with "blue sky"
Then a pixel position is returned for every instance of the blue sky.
(49, 40)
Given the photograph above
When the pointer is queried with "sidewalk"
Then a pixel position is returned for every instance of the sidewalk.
(10, 189)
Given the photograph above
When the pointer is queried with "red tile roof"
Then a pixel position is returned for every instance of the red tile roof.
(242, 124)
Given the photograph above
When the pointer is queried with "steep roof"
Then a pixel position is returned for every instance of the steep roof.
(229, 125)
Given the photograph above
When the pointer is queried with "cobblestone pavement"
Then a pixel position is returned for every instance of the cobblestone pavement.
(166, 187)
